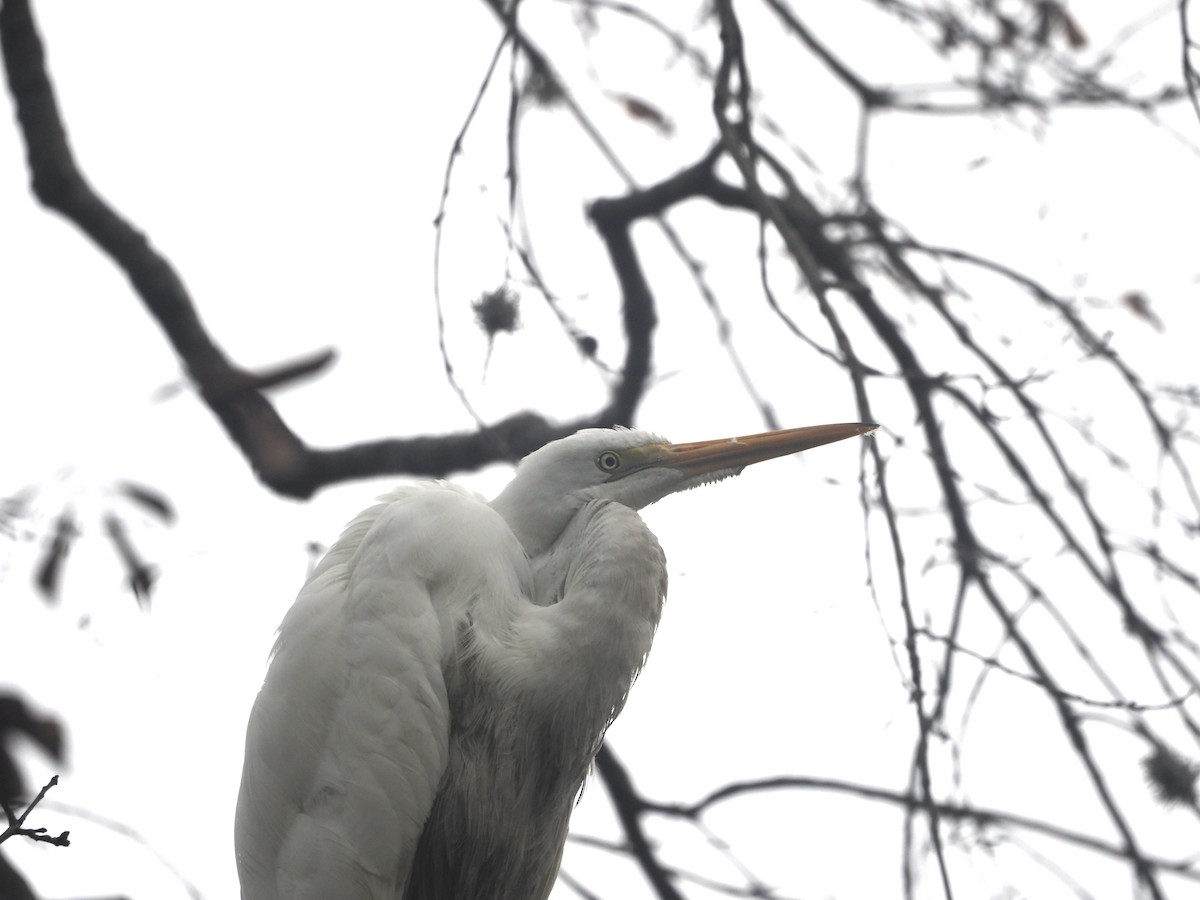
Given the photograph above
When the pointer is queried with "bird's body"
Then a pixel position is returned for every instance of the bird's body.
(444, 679)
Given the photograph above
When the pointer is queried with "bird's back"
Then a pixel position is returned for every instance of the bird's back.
(349, 737)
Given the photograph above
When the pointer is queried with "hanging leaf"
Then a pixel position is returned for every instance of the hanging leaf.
(641, 111)
(139, 575)
(1075, 35)
(49, 569)
(1139, 304)
(149, 499)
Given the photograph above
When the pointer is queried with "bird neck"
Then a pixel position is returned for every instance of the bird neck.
(535, 521)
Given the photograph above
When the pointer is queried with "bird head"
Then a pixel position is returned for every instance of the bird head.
(634, 468)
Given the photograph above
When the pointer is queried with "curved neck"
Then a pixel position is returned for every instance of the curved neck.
(535, 519)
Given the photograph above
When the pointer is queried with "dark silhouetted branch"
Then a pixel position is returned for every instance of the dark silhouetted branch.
(629, 805)
(16, 823)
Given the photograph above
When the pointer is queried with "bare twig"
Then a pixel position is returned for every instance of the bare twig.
(629, 808)
(982, 816)
(16, 823)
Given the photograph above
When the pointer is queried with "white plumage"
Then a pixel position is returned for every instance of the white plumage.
(441, 684)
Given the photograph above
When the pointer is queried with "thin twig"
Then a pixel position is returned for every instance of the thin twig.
(16, 823)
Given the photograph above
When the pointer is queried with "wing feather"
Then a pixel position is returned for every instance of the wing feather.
(348, 739)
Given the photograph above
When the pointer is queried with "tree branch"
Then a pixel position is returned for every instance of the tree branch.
(629, 806)
(16, 823)
(278, 456)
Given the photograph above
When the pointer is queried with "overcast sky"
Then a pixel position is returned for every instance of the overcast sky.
(289, 162)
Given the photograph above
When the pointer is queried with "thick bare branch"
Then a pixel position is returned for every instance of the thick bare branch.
(280, 458)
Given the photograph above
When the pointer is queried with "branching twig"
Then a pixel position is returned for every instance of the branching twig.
(16, 823)
(280, 458)
(628, 805)
(983, 816)
(852, 262)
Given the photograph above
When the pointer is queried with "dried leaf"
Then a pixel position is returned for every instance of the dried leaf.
(139, 575)
(640, 110)
(149, 499)
(49, 569)
(1139, 304)
(1076, 36)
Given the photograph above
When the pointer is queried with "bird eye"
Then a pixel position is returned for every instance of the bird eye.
(608, 461)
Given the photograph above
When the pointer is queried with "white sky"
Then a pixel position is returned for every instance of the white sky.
(289, 163)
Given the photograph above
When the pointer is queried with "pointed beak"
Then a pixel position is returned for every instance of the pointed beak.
(700, 457)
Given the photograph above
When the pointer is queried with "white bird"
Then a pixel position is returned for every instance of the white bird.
(440, 686)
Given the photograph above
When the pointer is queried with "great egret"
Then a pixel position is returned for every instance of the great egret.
(440, 686)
